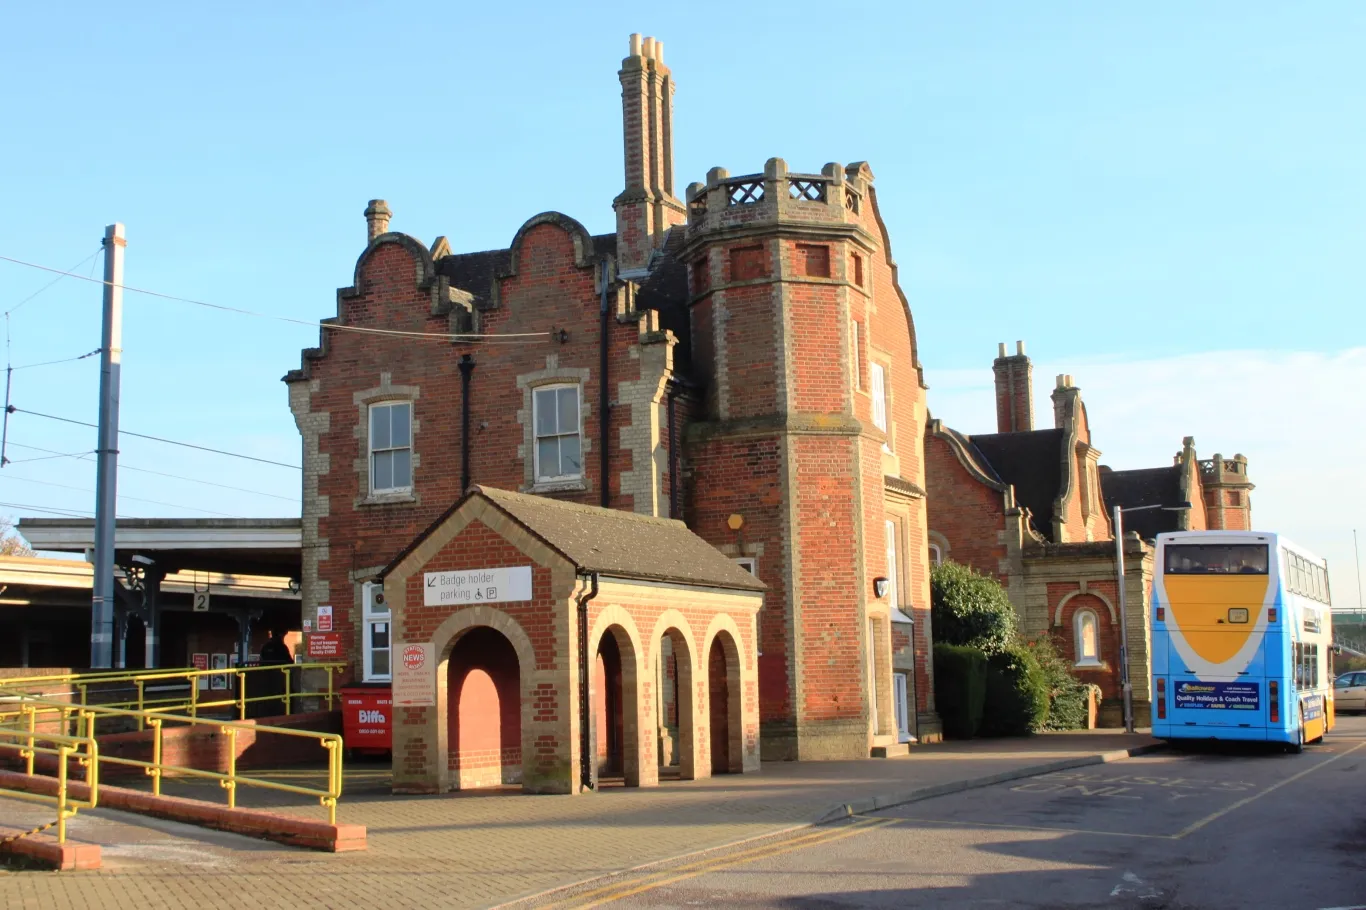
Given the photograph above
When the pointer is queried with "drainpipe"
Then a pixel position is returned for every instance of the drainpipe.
(674, 478)
(466, 371)
(588, 765)
(604, 420)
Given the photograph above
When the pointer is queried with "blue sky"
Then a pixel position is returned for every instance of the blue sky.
(1143, 192)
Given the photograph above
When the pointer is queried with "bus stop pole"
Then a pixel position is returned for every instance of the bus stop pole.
(1125, 683)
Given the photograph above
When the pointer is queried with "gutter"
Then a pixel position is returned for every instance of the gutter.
(466, 372)
(588, 771)
(604, 419)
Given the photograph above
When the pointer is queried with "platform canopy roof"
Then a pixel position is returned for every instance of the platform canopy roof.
(238, 546)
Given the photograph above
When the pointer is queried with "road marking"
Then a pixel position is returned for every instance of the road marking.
(623, 890)
(1214, 816)
(967, 824)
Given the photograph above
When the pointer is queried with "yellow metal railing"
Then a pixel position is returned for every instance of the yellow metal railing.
(81, 688)
(28, 744)
(32, 709)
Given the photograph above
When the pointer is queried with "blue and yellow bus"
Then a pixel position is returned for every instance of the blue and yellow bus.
(1241, 639)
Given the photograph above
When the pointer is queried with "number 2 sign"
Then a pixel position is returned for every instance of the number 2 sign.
(201, 601)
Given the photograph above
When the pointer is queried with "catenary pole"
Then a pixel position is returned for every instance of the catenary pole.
(106, 478)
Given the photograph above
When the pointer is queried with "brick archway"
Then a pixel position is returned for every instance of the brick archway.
(484, 710)
(725, 699)
(490, 693)
(617, 678)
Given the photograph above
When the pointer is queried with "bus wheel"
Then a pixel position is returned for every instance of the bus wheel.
(1297, 746)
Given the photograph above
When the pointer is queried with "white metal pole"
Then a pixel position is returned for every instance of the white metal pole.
(1125, 683)
(107, 451)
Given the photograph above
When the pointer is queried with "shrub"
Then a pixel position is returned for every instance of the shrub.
(960, 680)
(1017, 694)
(968, 608)
(1067, 695)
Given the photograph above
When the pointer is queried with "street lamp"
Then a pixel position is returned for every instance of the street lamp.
(1125, 684)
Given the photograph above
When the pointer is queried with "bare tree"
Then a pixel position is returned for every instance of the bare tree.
(11, 544)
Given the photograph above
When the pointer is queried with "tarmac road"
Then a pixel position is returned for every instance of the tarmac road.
(1212, 827)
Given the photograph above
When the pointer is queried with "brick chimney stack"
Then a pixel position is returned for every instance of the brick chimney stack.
(377, 216)
(646, 207)
(1014, 390)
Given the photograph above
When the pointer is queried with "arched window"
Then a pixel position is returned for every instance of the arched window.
(1086, 630)
(936, 555)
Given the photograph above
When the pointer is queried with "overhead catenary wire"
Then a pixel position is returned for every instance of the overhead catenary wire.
(155, 502)
(511, 337)
(48, 363)
(123, 466)
(173, 442)
(70, 513)
(60, 275)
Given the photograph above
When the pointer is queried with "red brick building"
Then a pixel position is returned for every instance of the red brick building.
(1032, 507)
(741, 360)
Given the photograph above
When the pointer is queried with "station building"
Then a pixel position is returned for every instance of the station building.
(1032, 507)
(729, 375)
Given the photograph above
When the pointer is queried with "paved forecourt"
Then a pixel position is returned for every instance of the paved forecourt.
(1209, 828)
(482, 848)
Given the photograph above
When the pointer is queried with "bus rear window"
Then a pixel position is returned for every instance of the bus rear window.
(1217, 559)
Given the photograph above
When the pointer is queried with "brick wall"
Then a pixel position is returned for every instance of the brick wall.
(967, 513)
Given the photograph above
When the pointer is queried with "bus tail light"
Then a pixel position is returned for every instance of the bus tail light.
(1161, 694)
(1161, 614)
(1273, 691)
(1271, 615)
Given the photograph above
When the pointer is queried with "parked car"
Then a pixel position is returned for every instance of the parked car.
(1349, 692)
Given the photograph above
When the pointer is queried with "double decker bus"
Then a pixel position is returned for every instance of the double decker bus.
(1242, 637)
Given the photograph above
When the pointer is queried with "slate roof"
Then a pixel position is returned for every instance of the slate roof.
(1144, 487)
(1031, 461)
(611, 542)
(665, 290)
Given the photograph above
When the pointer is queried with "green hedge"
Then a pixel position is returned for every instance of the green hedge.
(968, 608)
(1068, 705)
(1017, 694)
(960, 687)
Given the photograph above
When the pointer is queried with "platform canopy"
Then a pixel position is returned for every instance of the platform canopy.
(237, 546)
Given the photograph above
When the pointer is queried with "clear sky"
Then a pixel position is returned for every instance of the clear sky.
(1165, 199)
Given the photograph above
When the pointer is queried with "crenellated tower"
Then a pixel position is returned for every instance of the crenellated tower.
(809, 459)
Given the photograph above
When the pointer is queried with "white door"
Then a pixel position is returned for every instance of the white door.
(903, 726)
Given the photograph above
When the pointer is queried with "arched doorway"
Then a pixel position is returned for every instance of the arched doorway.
(615, 708)
(724, 699)
(484, 710)
(676, 695)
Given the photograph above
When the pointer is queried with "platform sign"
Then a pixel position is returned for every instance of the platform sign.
(200, 599)
(324, 645)
(476, 586)
(414, 675)
(324, 619)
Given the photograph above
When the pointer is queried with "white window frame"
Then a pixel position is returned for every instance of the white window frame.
(374, 614)
(1079, 640)
(749, 564)
(936, 554)
(893, 562)
(878, 376)
(536, 437)
(372, 450)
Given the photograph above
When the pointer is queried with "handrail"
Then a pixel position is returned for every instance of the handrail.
(156, 769)
(18, 689)
(65, 748)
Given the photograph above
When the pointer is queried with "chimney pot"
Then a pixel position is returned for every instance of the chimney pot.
(647, 48)
(1019, 348)
(635, 45)
(377, 217)
(1001, 349)
(659, 51)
